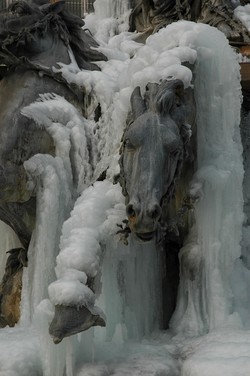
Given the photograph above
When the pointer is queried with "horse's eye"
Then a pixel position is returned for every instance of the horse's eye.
(17, 10)
(175, 154)
(128, 145)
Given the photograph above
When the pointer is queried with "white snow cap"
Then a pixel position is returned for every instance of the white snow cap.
(95, 216)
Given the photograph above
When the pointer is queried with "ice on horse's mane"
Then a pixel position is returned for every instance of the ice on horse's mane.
(28, 21)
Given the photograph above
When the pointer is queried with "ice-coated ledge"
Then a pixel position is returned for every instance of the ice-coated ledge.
(218, 353)
(20, 353)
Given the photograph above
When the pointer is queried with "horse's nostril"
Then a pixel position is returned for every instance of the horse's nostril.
(130, 211)
(155, 212)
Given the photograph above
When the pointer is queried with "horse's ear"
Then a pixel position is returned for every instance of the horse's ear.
(137, 103)
(53, 7)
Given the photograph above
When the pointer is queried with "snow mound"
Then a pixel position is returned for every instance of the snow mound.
(219, 353)
(20, 355)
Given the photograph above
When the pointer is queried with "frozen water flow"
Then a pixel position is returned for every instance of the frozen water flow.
(110, 18)
(127, 278)
(206, 301)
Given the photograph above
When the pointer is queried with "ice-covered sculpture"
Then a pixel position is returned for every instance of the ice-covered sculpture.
(155, 145)
(148, 16)
(34, 37)
(29, 57)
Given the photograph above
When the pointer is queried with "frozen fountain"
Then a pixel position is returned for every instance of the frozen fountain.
(76, 226)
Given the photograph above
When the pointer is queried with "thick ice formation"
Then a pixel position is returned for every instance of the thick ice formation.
(20, 353)
(128, 277)
(53, 205)
(243, 14)
(130, 65)
(206, 301)
(110, 18)
(95, 217)
(218, 353)
(72, 135)
(56, 181)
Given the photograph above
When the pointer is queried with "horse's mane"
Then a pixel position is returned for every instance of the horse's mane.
(39, 16)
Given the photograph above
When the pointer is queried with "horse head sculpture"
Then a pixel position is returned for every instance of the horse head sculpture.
(153, 148)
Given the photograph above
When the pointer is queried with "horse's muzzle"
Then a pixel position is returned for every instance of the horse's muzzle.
(143, 221)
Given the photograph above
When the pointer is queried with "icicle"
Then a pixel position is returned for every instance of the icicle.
(219, 212)
(69, 357)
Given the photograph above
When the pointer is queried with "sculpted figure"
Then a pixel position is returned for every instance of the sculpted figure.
(33, 38)
(150, 15)
(155, 145)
